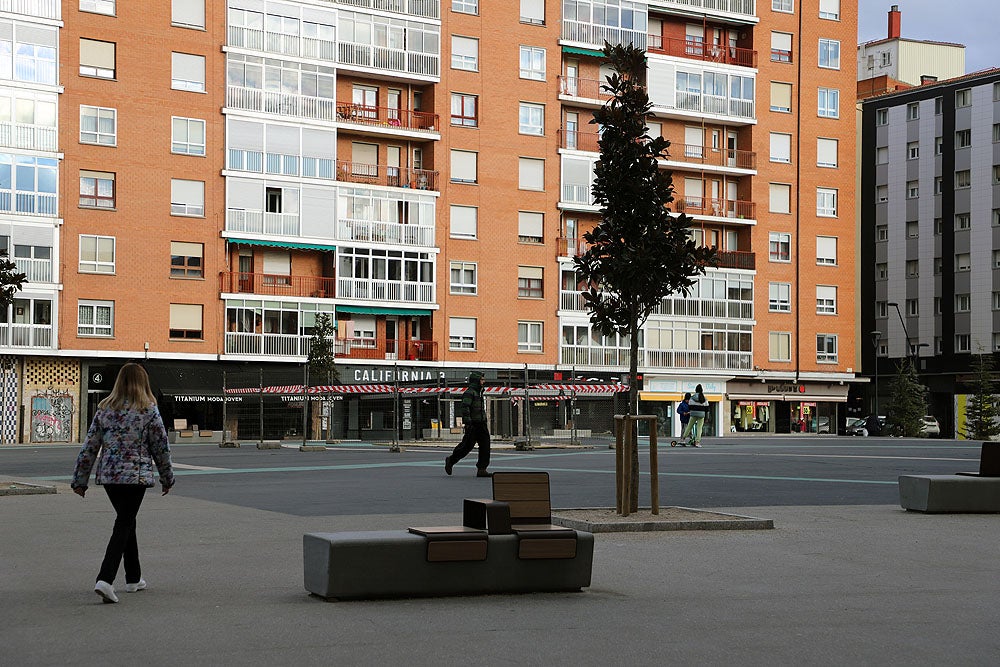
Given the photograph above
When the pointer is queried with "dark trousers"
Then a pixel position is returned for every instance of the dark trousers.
(126, 499)
(475, 434)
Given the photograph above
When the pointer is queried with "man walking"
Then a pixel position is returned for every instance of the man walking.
(476, 433)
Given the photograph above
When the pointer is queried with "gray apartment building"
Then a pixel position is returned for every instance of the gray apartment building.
(930, 235)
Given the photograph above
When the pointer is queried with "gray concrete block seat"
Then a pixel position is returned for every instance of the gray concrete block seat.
(949, 493)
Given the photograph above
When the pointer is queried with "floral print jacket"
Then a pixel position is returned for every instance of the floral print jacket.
(125, 445)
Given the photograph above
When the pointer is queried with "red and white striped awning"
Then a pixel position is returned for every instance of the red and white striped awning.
(536, 391)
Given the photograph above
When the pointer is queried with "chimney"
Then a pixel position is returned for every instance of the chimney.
(927, 78)
(895, 19)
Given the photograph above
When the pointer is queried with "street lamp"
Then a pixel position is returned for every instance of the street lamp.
(876, 337)
(911, 351)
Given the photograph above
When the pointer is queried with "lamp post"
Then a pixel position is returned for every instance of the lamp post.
(876, 337)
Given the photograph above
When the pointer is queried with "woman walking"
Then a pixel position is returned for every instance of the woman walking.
(126, 439)
(699, 407)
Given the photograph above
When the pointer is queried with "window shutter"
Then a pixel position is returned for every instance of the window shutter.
(533, 11)
(829, 7)
(463, 166)
(826, 151)
(779, 198)
(283, 139)
(184, 249)
(364, 153)
(189, 12)
(781, 147)
(781, 95)
(781, 41)
(827, 292)
(187, 192)
(531, 174)
(529, 224)
(530, 272)
(185, 316)
(188, 67)
(462, 326)
(463, 221)
(244, 135)
(465, 46)
(576, 172)
(278, 262)
(97, 54)
(826, 247)
(693, 137)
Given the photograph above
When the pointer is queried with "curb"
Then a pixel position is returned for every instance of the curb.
(24, 489)
(731, 522)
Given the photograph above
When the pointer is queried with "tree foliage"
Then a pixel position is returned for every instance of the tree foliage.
(982, 412)
(11, 280)
(322, 353)
(907, 403)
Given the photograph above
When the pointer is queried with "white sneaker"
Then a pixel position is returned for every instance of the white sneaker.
(696, 445)
(106, 591)
(137, 586)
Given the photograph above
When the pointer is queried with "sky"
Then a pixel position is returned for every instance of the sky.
(969, 22)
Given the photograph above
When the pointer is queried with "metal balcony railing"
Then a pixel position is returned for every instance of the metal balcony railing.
(386, 58)
(381, 174)
(589, 89)
(371, 348)
(31, 137)
(37, 270)
(282, 104)
(26, 335)
(45, 9)
(710, 156)
(388, 117)
(385, 232)
(596, 35)
(618, 357)
(579, 140)
(263, 222)
(278, 345)
(376, 289)
(430, 9)
(747, 8)
(715, 53)
(237, 282)
(29, 203)
(279, 43)
(566, 247)
(722, 208)
(737, 259)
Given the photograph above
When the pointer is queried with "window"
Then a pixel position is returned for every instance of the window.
(97, 58)
(912, 268)
(829, 103)
(529, 282)
(938, 266)
(913, 150)
(882, 155)
(882, 271)
(97, 254)
(781, 97)
(826, 250)
(913, 111)
(938, 185)
(881, 116)
(463, 277)
(187, 72)
(529, 227)
(782, 6)
(188, 13)
(938, 226)
(779, 247)
(187, 136)
(463, 221)
(464, 53)
(963, 342)
(533, 63)
(826, 348)
(463, 110)
(781, 47)
(95, 318)
(464, 166)
(996, 300)
(912, 189)
(461, 333)
(97, 189)
(963, 179)
(277, 267)
(963, 221)
(829, 9)
(912, 308)
(996, 217)
(912, 229)
(781, 147)
(533, 12)
(963, 98)
(996, 174)
(826, 300)
(826, 152)
(530, 174)
(779, 198)
(963, 262)
(938, 106)
(886, 58)
(938, 145)
(186, 321)
(98, 125)
(186, 260)
(779, 297)
(826, 203)
(996, 258)
(881, 309)
(779, 346)
(465, 6)
(829, 53)
(881, 193)
(996, 132)
(529, 336)
(531, 119)
(187, 197)
(963, 303)
(937, 305)
(963, 138)
(881, 232)
(98, 6)
(996, 92)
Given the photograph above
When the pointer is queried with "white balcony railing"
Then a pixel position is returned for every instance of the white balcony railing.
(45, 9)
(26, 335)
(747, 8)
(256, 39)
(385, 58)
(263, 222)
(277, 345)
(31, 137)
(619, 358)
(596, 35)
(37, 270)
(384, 290)
(430, 9)
(28, 203)
(385, 232)
(714, 309)
(577, 194)
(283, 104)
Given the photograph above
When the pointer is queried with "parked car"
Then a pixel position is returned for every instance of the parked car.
(860, 425)
(930, 427)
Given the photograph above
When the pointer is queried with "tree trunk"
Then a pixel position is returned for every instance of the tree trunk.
(633, 409)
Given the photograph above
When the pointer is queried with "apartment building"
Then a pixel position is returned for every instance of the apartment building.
(419, 170)
(930, 169)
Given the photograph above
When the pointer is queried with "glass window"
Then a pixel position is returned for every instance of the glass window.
(530, 174)
(881, 116)
(913, 111)
(529, 337)
(826, 300)
(464, 53)
(463, 277)
(829, 53)
(826, 348)
(97, 189)
(829, 9)
(829, 103)
(186, 320)
(531, 119)
(779, 247)
(461, 333)
(186, 260)
(98, 6)
(530, 283)
(97, 58)
(188, 72)
(464, 110)
(780, 198)
(826, 250)
(781, 147)
(782, 6)
(779, 346)
(826, 152)
(97, 254)
(465, 6)
(780, 297)
(963, 98)
(533, 12)
(533, 63)
(464, 166)
(781, 97)
(826, 202)
(98, 125)
(463, 221)
(187, 197)
(95, 318)
(187, 136)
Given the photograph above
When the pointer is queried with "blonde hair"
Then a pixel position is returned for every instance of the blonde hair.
(131, 390)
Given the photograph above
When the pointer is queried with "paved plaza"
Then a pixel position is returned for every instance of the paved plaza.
(851, 579)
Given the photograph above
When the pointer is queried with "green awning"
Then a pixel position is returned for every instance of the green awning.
(284, 244)
(380, 310)
(582, 52)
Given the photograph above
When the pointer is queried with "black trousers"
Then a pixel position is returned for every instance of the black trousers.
(475, 434)
(126, 499)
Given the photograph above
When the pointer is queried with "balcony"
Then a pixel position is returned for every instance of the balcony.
(737, 259)
(26, 335)
(381, 174)
(44, 9)
(715, 53)
(576, 140)
(430, 9)
(595, 35)
(236, 282)
(619, 358)
(712, 157)
(36, 270)
(264, 223)
(717, 208)
(572, 301)
(387, 117)
(279, 43)
(282, 164)
(385, 232)
(713, 309)
(376, 289)
(588, 89)
(276, 345)
(282, 104)
(31, 137)
(29, 203)
(370, 348)
(570, 247)
(743, 11)
(386, 58)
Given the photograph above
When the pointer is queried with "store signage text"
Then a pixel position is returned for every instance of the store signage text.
(365, 376)
(187, 398)
(786, 389)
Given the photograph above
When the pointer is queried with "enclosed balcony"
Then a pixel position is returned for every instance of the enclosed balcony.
(692, 90)
(44, 9)
(735, 11)
(382, 174)
(283, 104)
(699, 50)
(263, 222)
(709, 156)
(28, 136)
(386, 118)
(385, 232)
(373, 348)
(37, 270)
(377, 289)
(25, 335)
(278, 345)
(430, 9)
(717, 208)
(236, 282)
(267, 41)
(595, 34)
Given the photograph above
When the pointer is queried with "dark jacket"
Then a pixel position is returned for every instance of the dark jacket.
(473, 405)
(683, 411)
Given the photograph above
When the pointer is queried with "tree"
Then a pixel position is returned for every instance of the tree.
(11, 280)
(907, 403)
(982, 412)
(322, 354)
(639, 252)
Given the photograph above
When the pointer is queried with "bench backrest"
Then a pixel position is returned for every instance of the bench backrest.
(527, 493)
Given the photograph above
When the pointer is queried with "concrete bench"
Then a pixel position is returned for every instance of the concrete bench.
(396, 563)
(949, 493)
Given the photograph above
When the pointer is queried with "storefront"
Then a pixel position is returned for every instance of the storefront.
(785, 407)
(663, 394)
